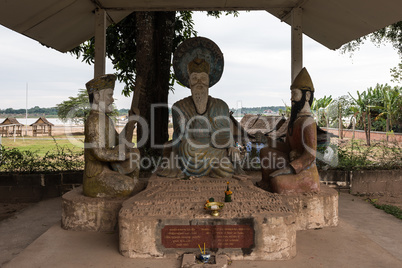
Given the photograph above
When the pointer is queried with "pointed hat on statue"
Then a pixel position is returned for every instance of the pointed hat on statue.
(303, 81)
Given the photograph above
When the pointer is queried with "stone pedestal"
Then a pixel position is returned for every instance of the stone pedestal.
(81, 213)
(314, 210)
(169, 218)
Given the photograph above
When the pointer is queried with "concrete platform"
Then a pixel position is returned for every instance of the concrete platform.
(82, 213)
(314, 210)
(168, 217)
(366, 237)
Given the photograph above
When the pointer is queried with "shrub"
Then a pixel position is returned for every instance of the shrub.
(25, 161)
(381, 155)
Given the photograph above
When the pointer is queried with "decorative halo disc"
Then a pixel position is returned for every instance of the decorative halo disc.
(202, 48)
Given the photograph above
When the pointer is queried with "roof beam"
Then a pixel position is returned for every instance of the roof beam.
(205, 5)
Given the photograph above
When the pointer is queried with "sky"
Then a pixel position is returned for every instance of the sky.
(256, 48)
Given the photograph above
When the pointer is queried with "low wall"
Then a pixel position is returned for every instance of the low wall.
(34, 187)
(360, 134)
(335, 177)
(37, 186)
(382, 182)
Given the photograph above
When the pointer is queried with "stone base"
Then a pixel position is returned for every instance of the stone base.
(81, 213)
(168, 217)
(190, 261)
(314, 210)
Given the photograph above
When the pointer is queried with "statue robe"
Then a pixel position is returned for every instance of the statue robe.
(299, 152)
(101, 150)
(201, 141)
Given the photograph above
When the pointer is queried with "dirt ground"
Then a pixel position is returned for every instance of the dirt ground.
(7, 210)
(384, 200)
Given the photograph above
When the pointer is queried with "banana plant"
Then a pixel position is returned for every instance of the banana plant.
(390, 107)
(362, 111)
(319, 105)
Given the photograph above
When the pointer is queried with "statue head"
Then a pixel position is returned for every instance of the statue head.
(100, 92)
(198, 71)
(302, 95)
(198, 65)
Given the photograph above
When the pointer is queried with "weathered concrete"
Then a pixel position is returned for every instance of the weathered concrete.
(25, 226)
(190, 261)
(335, 177)
(314, 210)
(33, 187)
(360, 240)
(376, 182)
(367, 182)
(168, 202)
(82, 213)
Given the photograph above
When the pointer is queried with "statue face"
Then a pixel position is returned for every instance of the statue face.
(296, 95)
(104, 100)
(199, 85)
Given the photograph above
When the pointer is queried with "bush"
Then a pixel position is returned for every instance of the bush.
(24, 161)
(381, 155)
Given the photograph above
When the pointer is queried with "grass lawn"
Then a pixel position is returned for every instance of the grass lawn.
(42, 145)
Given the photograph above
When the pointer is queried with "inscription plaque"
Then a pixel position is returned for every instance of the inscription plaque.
(214, 236)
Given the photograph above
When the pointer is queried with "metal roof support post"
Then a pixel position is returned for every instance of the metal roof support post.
(100, 42)
(296, 41)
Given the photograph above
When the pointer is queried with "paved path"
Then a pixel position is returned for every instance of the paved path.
(365, 237)
(25, 226)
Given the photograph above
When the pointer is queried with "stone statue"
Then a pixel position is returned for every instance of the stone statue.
(202, 140)
(106, 154)
(290, 167)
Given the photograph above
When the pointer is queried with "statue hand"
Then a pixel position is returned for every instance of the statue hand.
(171, 172)
(283, 171)
(234, 154)
(135, 111)
(170, 169)
(129, 146)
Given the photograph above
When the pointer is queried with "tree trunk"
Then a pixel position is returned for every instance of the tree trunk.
(164, 35)
(145, 74)
(365, 128)
(369, 128)
(156, 32)
(340, 125)
(387, 126)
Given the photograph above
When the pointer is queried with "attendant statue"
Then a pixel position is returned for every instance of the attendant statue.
(202, 140)
(107, 155)
(290, 167)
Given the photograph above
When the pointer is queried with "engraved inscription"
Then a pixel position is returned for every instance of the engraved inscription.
(214, 236)
(164, 198)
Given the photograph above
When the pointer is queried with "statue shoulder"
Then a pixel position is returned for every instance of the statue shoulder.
(305, 122)
(218, 103)
(183, 102)
(93, 118)
(185, 105)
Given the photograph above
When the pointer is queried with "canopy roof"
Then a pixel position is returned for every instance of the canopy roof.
(10, 121)
(64, 24)
(42, 121)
